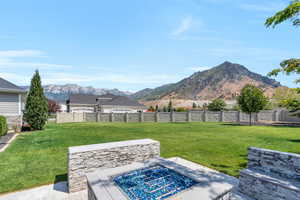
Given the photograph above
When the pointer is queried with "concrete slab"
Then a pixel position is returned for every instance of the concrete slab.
(58, 191)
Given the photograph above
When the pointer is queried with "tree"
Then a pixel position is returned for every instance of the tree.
(165, 109)
(151, 109)
(217, 105)
(282, 95)
(290, 12)
(194, 105)
(36, 108)
(53, 107)
(252, 100)
(170, 106)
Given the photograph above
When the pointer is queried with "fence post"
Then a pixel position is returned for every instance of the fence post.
(188, 117)
(221, 116)
(172, 116)
(112, 117)
(156, 116)
(141, 116)
(238, 119)
(73, 117)
(204, 116)
(275, 119)
(98, 117)
(256, 117)
(126, 117)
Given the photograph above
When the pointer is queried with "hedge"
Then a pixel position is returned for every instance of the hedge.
(3, 126)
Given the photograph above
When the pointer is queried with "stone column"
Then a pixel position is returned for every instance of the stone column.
(204, 116)
(188, 116)
(112, 117)
(275, 116)
(238, 118)
(141, 116)
(126, 117)
(98, 117)
(157, 117)
(172, 116)
(221, 116)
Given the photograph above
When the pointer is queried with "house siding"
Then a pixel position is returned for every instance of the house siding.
(9, 104)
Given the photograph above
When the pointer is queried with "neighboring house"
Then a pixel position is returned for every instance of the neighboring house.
(108, 103)
(11, 102)
(63, 107)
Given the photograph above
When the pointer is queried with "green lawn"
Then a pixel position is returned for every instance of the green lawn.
(38, 158)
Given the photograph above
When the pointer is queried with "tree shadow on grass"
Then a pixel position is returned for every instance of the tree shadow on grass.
(294, 140)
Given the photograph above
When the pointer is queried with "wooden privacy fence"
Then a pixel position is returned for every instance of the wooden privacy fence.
(190, 116)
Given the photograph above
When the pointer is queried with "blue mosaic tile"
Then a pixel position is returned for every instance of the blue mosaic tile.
(153, 183)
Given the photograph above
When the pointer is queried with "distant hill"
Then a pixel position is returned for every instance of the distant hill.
(223, 81)
(61, 93)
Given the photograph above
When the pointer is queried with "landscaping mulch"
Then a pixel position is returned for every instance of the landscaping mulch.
(4, 140)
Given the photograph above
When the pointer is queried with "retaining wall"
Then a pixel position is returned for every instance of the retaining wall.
(86, 159)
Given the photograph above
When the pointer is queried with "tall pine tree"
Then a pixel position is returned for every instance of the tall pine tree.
(36, 108)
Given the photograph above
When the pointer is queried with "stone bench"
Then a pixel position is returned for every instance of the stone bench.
(88, 158)
(271, 175)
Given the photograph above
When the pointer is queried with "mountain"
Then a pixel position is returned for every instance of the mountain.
(223, 81)
(61, 93)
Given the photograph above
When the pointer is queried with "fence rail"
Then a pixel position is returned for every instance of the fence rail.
(191, 116)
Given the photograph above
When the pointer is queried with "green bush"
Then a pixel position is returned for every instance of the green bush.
(3, 126)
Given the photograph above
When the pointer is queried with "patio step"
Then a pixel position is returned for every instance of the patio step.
(268, 186)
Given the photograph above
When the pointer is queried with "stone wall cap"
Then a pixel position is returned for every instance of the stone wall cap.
(273, 151)
(93, 147)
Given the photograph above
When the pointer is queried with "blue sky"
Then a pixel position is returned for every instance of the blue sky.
(134, 44)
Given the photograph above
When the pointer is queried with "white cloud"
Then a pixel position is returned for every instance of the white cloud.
(21, 53)
(197, 69)
(7, 60)
(184, 26)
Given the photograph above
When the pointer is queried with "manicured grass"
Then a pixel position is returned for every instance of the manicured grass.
(37, 158)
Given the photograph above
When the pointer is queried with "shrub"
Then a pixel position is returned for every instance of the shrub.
(217, 105)
(3, 126)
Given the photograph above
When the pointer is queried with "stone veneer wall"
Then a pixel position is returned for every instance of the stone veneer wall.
(85, 159)
(271, 175)
(281, 163)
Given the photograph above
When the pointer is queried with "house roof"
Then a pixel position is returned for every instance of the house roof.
(6, 86)
(107, 99)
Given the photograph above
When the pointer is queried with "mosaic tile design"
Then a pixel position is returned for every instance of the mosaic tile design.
(153, 183)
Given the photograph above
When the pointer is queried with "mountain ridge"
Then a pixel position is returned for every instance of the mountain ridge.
(222, 81)
(61, 93)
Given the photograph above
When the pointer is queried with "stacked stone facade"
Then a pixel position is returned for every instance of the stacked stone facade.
(86, 159)
(271, 175)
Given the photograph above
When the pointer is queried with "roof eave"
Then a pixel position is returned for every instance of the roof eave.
(12, 91)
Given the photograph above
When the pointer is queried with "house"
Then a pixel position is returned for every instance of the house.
(11, 102)
(107, 103)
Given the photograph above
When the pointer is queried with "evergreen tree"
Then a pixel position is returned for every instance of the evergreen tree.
(252, 100)
(36, 108)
